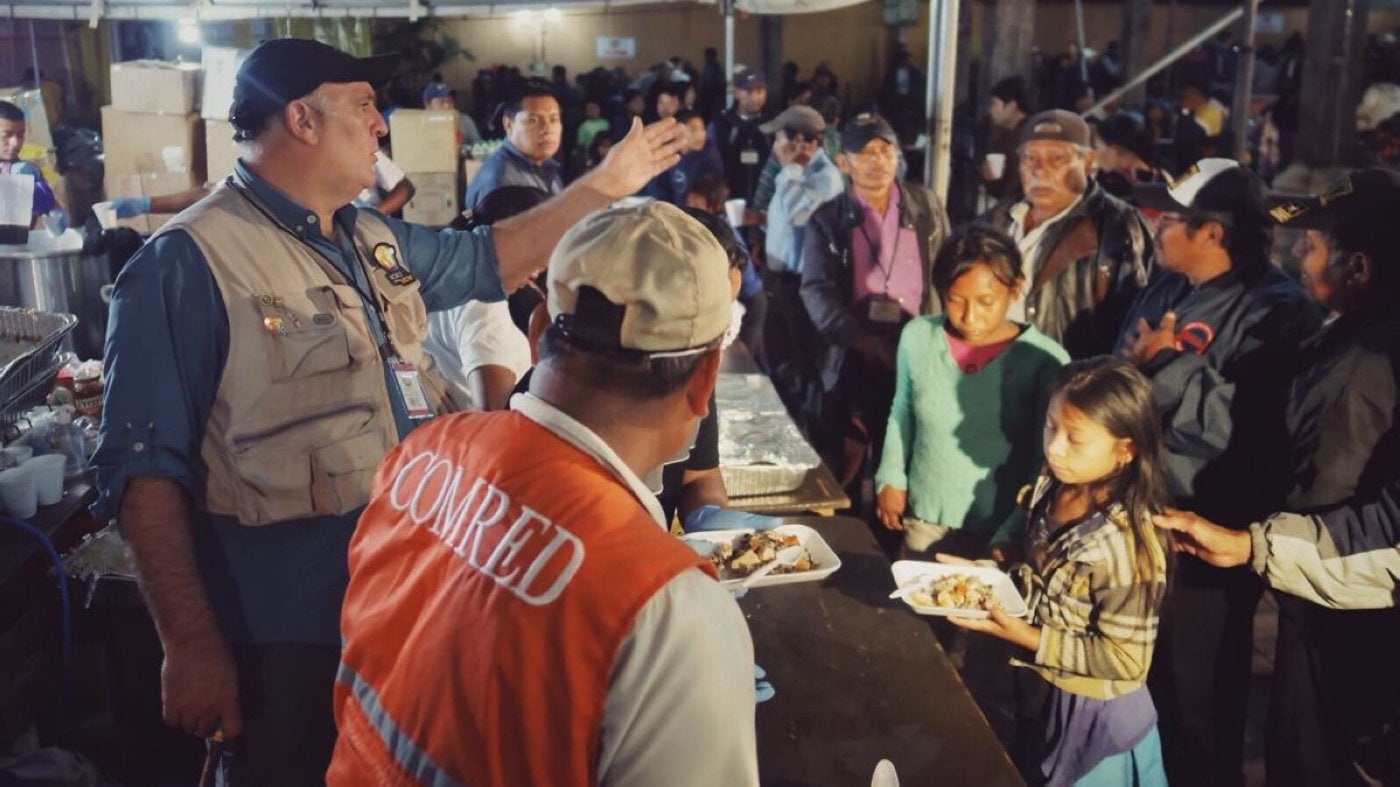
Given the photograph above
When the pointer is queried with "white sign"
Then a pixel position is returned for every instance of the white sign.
(617, 47)
(1269, 23)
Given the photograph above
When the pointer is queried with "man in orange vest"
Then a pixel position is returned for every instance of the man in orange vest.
(517, 613)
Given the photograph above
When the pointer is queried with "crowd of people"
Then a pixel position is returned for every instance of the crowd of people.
(1104, 379)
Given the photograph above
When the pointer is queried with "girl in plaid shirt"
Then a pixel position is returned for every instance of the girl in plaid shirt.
(1100, 567)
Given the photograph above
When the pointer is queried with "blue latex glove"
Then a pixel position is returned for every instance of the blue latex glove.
(131, 207)
(715, 518)
(762, 689)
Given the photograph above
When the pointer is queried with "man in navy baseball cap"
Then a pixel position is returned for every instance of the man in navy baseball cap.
(283, 70)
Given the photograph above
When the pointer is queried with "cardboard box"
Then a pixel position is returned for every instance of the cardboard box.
(424, 140)
(152, 184)
(434, 200)
(221, 64)
(36, 118)
(136, 143)
(156, 87)
(219, 149)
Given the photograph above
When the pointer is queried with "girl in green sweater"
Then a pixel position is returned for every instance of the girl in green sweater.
(971, 390)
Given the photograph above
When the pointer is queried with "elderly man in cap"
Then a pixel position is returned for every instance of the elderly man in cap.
(263, 354)
(1335, 682)
(867, 261)
(490, 637)
(1217, 332)
(1086, 252)
(808, 179)
(742, 145)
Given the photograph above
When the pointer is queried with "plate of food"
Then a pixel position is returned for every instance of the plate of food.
(737, 553)
(956, 591)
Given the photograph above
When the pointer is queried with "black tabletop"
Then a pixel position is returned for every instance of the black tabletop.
(860, 678)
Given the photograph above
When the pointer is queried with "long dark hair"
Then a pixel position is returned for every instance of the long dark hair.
(1115, 395)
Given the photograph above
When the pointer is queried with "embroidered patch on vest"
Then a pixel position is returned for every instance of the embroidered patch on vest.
(386, 256)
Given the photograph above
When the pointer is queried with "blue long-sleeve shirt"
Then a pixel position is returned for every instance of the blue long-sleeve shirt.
(167, 347)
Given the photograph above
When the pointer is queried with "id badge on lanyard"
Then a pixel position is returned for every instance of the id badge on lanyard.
(410, 384)
(748, 157)
(885, 310)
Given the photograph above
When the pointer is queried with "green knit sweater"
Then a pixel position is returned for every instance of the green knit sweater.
(965, 444)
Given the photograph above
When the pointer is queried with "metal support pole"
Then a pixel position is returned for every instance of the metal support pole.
(1169, 58)
(1083, 46)
(1244, 82)
(935, 44)
(943, 31)
(728, 52)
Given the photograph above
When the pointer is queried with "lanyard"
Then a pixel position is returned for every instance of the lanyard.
(875, 254)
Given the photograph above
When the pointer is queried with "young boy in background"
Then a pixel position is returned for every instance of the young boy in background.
(12, 131)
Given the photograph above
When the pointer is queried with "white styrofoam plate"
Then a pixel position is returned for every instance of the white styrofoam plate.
(824, 559)
(1003, 589)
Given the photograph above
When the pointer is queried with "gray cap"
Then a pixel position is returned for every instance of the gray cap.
(799, 118)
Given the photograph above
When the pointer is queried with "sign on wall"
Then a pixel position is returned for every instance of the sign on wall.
(617, 47)
(1269, 23)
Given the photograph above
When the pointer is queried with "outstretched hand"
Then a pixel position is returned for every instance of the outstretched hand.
(1216, 545)
(644, 153)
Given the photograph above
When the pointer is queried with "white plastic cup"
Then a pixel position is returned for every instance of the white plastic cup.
(996, 165)
(734, 211)
(48, 477)
(106, 215)
(19, 491)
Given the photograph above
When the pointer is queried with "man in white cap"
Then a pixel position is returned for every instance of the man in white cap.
(517, 611)
(1217, 332)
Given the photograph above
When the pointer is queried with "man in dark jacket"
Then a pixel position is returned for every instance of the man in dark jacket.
(867, 257)
(742, 146)
(1086, 252)
(1217, 331)
(1334, 677)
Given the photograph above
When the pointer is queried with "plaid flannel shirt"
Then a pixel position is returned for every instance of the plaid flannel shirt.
(1098, 621)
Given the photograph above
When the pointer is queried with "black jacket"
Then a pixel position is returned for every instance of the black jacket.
(736, 136)
(1221, 397)
(1344, 410)
(1080, 302)
(827, 281)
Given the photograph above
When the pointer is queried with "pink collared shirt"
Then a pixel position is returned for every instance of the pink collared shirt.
(885, 257)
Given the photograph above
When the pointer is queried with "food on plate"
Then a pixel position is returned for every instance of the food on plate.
(745, 554)
(953, 591)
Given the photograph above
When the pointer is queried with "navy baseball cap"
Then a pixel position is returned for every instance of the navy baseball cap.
(436, 90)
(862, 128)
(748, 79)
(283, 70)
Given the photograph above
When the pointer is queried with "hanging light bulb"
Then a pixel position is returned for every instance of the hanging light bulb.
(187, 30)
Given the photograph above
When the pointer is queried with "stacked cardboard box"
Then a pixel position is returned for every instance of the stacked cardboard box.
(425, 147)
(221, 66)
(152, 134)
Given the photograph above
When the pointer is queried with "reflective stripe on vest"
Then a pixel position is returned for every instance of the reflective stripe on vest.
(413, 760)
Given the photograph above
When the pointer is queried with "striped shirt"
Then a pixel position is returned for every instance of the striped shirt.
(1098, 620)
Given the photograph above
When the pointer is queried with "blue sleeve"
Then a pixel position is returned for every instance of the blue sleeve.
(453, 267)
(484, 182)
(44, 200)
(167, 343)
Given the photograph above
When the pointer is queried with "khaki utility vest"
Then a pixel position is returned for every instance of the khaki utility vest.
(302, 417)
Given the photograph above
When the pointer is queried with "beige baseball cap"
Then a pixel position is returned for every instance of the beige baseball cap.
(642, 277)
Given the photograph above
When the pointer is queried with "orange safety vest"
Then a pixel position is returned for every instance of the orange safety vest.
(493, 577)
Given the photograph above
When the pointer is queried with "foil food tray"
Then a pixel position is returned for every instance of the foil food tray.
(761, 451)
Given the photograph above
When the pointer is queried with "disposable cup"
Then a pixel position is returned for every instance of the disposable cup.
(996, 165)
(734, 211)
(106, 215)
(48, 477)
(19, 491)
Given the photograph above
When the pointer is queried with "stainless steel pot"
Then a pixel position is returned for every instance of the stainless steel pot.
(61, 281)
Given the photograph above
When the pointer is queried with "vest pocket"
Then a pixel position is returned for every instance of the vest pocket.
(343, 472)
(276, 485)
(308, 338)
